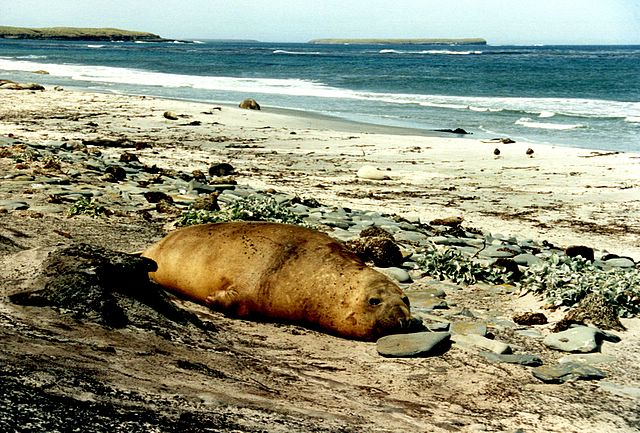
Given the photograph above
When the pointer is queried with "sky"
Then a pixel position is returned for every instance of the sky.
(501, 22)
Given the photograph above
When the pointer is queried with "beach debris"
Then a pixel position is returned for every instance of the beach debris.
(10, 85)
(170, 115)
(501, 140)
(594, 310)
(580, 251)
(530, 319)
(41, 72)
(529, 152)
(249, 104)
(221, 169)
(372, 173)
(453, 221)
(496, 151)
(459, 131)
(378, 246)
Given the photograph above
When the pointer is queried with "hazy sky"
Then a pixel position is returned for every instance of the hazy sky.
(499, 21)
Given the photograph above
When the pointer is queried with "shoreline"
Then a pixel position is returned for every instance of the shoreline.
(567, 196)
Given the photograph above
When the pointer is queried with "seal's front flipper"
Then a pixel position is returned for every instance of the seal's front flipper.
(227, 300)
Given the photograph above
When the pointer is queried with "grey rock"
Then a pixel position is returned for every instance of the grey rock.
(11, 205)
(397, 274)
(195, 186)
(477, 342)
(438, 326)
(412, 345)
(520, 358)
(622, 390)
(620, 262)
(467, 328)
(335, 222)
(497, 251)
(568, 371)
(581, 339)
(530, 333)
(526, 259)
(588, 358)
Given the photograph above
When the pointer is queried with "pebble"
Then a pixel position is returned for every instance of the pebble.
(412, 345)
(567, 372)
(397, 274)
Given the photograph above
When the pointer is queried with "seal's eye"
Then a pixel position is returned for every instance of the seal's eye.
(374, 301)
(406, 301)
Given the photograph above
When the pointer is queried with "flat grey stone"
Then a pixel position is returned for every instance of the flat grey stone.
(520, 358)
(466, 328)
(620, 263)
(438, 326)
(581, 339)
(623, 390)
(477, 342)
(202, 188)
(497, 251)
(526, 259)
(530, 333)
(411, 345)
(11, 205)
(588, 358)
(568, 371)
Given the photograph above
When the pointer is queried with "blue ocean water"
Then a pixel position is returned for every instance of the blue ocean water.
(579, 96)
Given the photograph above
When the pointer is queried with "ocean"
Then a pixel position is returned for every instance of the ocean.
(575, 96)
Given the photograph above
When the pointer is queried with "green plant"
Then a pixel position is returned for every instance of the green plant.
(247, 209)
(84, 206)
(565, 281)
(453, 265)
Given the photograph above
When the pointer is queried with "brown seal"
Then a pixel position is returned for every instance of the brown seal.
(280, 272)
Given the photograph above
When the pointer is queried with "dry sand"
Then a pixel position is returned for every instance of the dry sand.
(284, 378)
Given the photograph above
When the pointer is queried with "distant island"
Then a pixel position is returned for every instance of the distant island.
(422, 41)
(76, 33)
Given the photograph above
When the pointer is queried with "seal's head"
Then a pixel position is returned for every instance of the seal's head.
(381, 309)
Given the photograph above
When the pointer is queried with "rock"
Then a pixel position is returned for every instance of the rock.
(530, 319)
(115, 173)
(622, 390)
(209, 202)
(249, 104)
(521, 359)
(195, 186)
(529, 152)
(453, 221)
(11, 205)
(372, 173)
(467, 328)
(453, 131)
(412, 345)
(397, 274)
(157, 196)
(129, 157)
(620, 262)
(41, 72)
(221, 169)
(21, 86)
(588, 358)
(381, 251)
(581, 339)
(170, 115)
(593, 309)
(580, 251)
(568, 371)
(526, 259)
(375, 231)
(509, 266)
(498, 251)
(475, 342)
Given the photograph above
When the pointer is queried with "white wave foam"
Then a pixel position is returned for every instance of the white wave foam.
(31, 56)
(95, 46)
(526, 122)
(434, 52)
(547, 114)
(632, 119)
(582, 108)
(298, 53)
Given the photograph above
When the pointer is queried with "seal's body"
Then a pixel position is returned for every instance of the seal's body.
(280, 272)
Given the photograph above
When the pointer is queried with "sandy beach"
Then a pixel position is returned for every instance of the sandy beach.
(563, 195)
(248, 375)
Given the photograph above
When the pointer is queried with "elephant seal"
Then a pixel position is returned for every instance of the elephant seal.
(280, 272)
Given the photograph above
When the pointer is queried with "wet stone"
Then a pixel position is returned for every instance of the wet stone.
(567, 372)
(412, 345)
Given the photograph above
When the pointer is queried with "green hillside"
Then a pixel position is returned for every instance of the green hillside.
(76, 33)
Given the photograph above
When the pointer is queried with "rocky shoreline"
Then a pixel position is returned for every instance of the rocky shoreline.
(487, 360)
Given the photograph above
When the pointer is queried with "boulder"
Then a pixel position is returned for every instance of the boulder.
(170, 115)
(249, 104)
(411, 345)
(372, 173)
